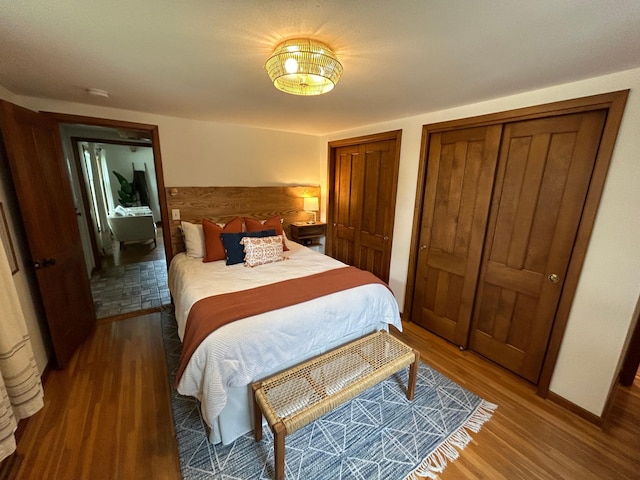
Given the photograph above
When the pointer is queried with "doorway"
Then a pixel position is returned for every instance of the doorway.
(126, 277)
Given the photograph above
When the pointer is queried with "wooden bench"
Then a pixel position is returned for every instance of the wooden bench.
(298, 396)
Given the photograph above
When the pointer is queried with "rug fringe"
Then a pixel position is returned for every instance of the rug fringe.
(449, 449)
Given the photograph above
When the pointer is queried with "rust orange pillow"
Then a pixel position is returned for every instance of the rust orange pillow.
(213, 247)
(254, 225)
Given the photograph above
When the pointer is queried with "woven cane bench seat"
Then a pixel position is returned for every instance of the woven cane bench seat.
(298, 396)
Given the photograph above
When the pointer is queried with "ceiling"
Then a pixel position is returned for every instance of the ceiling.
(204, 59)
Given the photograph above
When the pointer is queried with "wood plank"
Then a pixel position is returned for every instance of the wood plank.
(468, 198)
(444, 261)
(456, 285)
(529, 437)
(506, 204)
(440, 207)
(523, 281)
(372, 222)
(442, 291)
(455, 194)
(504, 314)
(221, 204)
(107, 415)
(527, 201)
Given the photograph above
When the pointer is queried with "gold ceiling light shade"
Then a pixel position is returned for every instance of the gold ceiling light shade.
(302, 66)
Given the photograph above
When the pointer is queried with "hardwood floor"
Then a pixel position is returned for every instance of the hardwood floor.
(107, 416)
(529, 437)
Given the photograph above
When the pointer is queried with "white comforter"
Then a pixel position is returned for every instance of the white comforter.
(249, 349)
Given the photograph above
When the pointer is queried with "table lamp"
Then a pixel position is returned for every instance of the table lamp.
(311, 205)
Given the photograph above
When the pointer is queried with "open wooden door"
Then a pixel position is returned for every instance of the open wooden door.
(42, 186)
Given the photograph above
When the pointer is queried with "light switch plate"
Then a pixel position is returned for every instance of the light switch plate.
(175, 214)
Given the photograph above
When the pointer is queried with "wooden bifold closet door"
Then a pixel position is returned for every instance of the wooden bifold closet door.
(502, 208)
(363, 178)
(461, 170)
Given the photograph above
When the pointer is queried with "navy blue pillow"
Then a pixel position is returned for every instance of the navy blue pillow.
(233, 248)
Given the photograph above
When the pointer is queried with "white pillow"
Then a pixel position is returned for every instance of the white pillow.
(193, 239)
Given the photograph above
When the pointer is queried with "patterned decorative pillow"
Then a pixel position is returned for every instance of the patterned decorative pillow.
(258, 251)
(233, 245)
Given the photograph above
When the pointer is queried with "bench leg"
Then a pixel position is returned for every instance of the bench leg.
(413, 375)
(257, 413)
(279, 432)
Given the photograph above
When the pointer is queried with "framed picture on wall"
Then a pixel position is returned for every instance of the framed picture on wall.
(6, 241)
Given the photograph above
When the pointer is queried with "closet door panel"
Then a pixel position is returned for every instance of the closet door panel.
(460, 172)
(543, 177)
(348, 203)
(378, 188)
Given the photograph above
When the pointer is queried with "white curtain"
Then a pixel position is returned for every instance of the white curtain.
(20, 389)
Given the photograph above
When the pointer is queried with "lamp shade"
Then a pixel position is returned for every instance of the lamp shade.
(311, 204)
(302, 66)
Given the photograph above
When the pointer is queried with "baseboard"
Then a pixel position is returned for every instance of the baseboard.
(124, 316)
(573, 408)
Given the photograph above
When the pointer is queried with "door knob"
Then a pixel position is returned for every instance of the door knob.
(44, 263)
(554, 277)
(422, 247)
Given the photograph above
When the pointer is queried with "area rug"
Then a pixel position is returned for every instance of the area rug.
(377, 435)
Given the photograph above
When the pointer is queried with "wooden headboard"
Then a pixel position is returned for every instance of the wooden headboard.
(221, 204)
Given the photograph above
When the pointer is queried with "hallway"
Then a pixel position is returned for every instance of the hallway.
(133, 279)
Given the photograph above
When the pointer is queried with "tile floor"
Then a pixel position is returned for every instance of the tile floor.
(129, 288)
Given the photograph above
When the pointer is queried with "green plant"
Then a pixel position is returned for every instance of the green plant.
(127, 192)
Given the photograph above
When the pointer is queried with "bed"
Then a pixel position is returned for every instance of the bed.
(223, 366)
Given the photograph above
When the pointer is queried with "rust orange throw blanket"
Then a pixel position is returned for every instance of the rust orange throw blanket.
(211, 313)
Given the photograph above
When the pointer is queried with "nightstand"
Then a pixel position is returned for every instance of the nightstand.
(308, 234)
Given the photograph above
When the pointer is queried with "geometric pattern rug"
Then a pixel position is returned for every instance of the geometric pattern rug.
(377, 435)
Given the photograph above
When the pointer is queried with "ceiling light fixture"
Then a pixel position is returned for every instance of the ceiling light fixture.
(302, 66)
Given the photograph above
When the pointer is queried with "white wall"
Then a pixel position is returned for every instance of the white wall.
(120, 158)
(610, 283)
(205, 154)
(197, 153)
